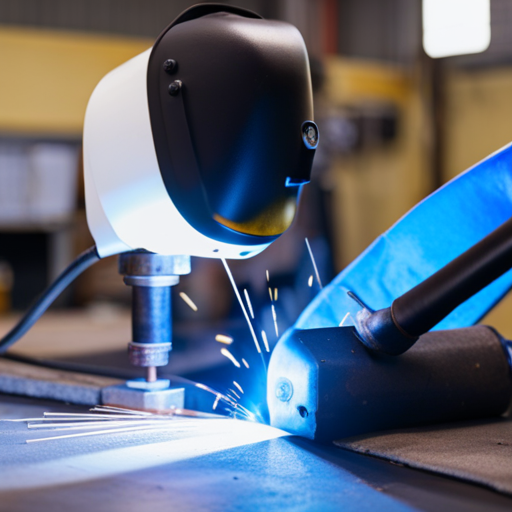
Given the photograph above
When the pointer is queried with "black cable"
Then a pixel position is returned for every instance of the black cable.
(81, 263)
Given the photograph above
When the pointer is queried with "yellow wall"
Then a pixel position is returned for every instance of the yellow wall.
(478, 116)
(478, 121)
(47, 77)
(372, 189)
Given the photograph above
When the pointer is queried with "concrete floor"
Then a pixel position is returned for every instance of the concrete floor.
(209, 465)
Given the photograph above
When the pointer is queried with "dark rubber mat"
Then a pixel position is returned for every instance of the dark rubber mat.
(474, 451)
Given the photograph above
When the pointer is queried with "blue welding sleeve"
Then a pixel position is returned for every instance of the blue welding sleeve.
(429, 236)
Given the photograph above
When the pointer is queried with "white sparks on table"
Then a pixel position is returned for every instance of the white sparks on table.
(103, 419)
(246, 364)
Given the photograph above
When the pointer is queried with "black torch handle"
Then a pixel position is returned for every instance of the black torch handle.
(425, 305)
(394, 330)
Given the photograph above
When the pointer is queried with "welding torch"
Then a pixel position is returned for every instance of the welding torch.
(395, 329)
(388, 371)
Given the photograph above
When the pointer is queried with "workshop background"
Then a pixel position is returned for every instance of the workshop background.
(395, 125)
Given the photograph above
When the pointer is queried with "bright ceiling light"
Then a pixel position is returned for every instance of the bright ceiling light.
(456, 27)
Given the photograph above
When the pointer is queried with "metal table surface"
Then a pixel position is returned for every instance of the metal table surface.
(209, 465)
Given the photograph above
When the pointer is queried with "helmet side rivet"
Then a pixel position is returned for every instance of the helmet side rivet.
(170, 65)
(310, 134)
(175, 87)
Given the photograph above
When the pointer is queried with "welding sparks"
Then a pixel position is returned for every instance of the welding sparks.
(94, 433)
(268, 276)
(238, 386)
(226, 353)
(265, 340)
(202, 386)
(314, 263)
(310, 281)
(108, 420)
(217, 399)
(212, 391)
(245, 412)
(270, 294)
(235, 289)
(246, 364)
(275, 294)
(344, 319)
(222, 338)
(248, 300)
(188, 301)
(234, 393)
(275, 320)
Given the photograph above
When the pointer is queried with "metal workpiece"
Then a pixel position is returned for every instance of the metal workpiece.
(324, 384)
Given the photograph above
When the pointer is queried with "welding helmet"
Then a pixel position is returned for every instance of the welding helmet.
(200, 145)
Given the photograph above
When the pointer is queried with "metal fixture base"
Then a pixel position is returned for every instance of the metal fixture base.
(132, 398)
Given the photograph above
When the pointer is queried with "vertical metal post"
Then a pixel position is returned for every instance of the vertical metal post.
(151, 277)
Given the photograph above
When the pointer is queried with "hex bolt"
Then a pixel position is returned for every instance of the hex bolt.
(170, 65)
(284, 389)
(175, 87)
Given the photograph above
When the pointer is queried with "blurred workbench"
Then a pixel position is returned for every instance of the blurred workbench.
(230, 465)
(101, 334)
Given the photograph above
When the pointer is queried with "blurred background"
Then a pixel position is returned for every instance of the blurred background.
(397, 117)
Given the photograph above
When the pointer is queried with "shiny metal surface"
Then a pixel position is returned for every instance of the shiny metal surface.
(159, 281)
(143, 263)
(199, 468)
